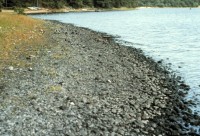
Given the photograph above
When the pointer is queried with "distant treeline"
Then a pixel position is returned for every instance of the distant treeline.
(71, 3)
(169, 3)
(99, 3)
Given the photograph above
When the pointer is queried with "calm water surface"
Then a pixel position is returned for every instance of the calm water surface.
(170, 34)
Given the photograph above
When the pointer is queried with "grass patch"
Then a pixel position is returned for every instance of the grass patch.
(52, 72)
(19, 36)
(54, 88)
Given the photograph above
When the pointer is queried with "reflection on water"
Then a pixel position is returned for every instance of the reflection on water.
(170, 34)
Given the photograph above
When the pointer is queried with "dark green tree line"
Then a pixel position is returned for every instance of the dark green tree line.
(1, 4)
(72, 3)
(169, 3)
(99, 3)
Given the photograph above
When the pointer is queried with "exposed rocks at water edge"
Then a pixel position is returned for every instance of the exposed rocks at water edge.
(83, 83)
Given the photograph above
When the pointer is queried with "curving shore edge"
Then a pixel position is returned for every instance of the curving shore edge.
(84, 83)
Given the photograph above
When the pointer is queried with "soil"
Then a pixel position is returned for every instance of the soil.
(84, 83)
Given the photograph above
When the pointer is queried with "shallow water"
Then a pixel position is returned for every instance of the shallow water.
(171, 34)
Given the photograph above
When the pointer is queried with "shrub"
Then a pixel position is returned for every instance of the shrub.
(1, 6)
(19, 10)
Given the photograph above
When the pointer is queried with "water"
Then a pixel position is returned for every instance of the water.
(171, 34)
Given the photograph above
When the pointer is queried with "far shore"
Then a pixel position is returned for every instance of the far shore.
(28, 11)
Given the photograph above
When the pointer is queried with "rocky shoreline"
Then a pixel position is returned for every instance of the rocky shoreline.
(84, 83)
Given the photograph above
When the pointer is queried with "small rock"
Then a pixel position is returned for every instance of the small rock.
(137, 130)
(83, 132)
(140, 123)
(154, 125)
(114, 111)
(148, 104)
(11, 68)
(85, 100)
(132, 102)
(62, 107)
(30, 57)
(106, 110)
(61, 83)
(145, 116)
(109, 81)
(184, 86)
(96, 78)
(153, 89)
(161, 105)
(71, 103)
(30, 69)
(145, 121)
(174, 126)
(160, 61)
(113, 134)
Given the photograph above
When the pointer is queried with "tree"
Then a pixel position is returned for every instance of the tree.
(89, 3)
(101, 3)
(76, 3)
(1, 5)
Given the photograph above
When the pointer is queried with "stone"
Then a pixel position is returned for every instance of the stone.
(30, 69)
(109, 81)
(114, 111)
(140, 123)
(11, 68)
(30, 57)
(160, 61)
(137, 130)
(145, 116)
(132, 102)
(62, 107)
(84, 100)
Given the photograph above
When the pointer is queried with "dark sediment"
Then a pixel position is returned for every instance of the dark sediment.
(83, 83)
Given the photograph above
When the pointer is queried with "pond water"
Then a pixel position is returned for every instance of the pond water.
(170, 34)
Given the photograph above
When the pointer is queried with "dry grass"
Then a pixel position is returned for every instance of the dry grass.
(19, 36)
(54, 88)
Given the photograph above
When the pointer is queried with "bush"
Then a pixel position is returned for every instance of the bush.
(1, 6)
(19, 10)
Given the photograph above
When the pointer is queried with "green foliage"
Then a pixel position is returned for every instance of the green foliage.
(52, 3)
(19, 10)
(1, 5)
(72, 3)
(169, 3)
(89, 3)
(76, 3)
(101, 3)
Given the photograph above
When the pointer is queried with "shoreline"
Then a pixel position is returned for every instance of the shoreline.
(48, 11)
(71, 10)
(68, 10)
(83, 82)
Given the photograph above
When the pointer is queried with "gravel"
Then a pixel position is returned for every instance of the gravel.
(84, 83)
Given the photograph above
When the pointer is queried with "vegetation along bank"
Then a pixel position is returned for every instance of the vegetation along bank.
(99, 3)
